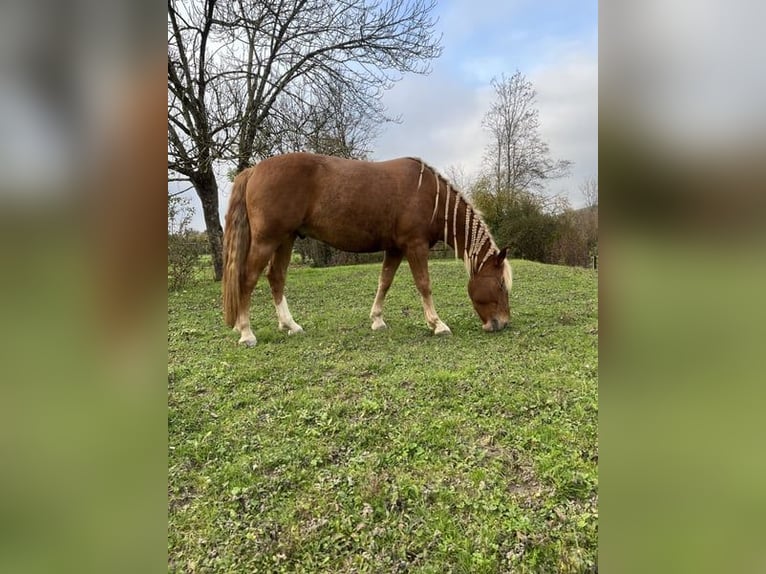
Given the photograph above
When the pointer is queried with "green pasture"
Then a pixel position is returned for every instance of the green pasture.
(348, 450)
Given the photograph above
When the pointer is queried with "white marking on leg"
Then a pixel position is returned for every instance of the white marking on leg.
(242, 325)
(376, 314)
(441, 328)
(286, 319)
(438, 326)
(390, 265)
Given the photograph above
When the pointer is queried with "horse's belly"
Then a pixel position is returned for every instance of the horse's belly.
(356, 236)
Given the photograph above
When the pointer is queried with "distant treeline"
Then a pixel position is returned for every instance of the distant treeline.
(569, 237)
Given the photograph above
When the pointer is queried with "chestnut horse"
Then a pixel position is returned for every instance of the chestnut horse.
(402, 207)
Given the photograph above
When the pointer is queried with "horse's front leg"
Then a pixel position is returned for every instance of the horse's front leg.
(418, 261)
(391, 261)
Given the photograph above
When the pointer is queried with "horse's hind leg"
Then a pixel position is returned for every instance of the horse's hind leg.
(277, 274)
(418, 260)
(391, 261)
(257, 259)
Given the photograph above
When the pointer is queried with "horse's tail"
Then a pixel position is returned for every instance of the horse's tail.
(236, 245)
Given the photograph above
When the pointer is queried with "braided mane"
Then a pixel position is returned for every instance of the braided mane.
(477, 234)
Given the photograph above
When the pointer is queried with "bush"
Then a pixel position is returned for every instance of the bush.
(536, 228)
(518, 221)
(184, 244)
(577, 238)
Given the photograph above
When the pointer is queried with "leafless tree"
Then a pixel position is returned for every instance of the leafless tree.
(332, 126)
(459, 178)
(239, 69)
(589, 190)
(518, 158)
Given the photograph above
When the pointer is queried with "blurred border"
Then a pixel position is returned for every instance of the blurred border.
(82, 404)
(683, 273)
(83, 422)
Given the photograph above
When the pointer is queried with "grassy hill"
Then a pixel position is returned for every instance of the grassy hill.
(348, 450)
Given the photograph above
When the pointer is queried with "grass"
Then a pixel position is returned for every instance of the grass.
(348, 450)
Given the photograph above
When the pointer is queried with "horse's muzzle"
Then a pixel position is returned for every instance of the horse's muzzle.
(494, 325)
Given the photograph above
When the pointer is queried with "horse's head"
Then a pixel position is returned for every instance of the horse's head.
(489, 289)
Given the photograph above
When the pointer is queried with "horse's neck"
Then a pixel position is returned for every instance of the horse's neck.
(461, 227)
(477, 242)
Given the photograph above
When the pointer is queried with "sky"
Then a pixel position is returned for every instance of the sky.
(553, 43)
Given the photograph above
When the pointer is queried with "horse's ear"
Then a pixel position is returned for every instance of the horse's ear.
(500, 257)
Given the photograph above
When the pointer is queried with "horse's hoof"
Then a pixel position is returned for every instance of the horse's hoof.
(379, 325)
(297, 330)
(247, 342)
(442, 330)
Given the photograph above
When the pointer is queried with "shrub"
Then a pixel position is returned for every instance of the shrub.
(538, 228)
(184, 244)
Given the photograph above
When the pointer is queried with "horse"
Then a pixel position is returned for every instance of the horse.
(401, 207)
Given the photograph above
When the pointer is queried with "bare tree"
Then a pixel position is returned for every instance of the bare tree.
(458, 177)
(518, 158)
(589, 190)
(518, 163)
(333, 126)
(238, 68)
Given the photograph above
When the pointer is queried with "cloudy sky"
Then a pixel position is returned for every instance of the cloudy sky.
(554, 43)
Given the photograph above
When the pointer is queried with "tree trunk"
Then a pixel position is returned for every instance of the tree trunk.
(207, 189)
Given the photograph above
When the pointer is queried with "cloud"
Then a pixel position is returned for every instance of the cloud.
(567, 97)
(442, 113)
(441, 121)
